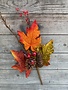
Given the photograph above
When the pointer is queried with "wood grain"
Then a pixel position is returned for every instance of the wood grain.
(49, 77)
(35, 6)
(48, 24)
(30, 87)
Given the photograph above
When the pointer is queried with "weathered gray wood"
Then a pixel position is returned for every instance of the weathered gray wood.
(33, 87)
(9, 42)
(49, 77)
(58, 61)
(5, 45)
(52, 16)
(35, 6)
(36, 87)
(49, 24)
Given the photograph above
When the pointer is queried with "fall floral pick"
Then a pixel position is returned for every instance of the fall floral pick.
(36, 54)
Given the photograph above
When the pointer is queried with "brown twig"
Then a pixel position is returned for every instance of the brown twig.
(11, 30)
(39, 75)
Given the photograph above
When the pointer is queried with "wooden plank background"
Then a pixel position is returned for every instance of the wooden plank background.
(52, 17)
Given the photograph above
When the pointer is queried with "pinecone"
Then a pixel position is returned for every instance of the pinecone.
(30, 61)
(39, 60)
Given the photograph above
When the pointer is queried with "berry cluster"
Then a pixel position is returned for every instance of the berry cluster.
(33, 59)
(30, 60)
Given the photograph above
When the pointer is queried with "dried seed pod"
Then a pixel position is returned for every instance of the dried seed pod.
(39, 60)
(27, 64)
(30, 61)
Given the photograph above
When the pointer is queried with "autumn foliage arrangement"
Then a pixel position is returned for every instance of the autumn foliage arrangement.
(36, 54)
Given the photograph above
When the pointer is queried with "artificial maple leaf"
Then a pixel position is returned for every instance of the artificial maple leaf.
(28, 71)
(46, 50)
(19, 57)
(32, 38)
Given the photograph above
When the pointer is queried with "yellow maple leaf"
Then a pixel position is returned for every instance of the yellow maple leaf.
(46, 50)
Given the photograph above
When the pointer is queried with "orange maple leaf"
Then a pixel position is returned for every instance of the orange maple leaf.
(19, 57)
(32, 38)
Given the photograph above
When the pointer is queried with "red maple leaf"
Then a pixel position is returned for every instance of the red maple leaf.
(28, 72)
(19, 57)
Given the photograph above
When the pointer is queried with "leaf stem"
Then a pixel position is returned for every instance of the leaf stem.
(39, 75)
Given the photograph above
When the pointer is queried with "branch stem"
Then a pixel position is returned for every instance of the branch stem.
(39, 75)
(11, 30)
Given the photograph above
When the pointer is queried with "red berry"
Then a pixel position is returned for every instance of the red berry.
(17, 9)
(28, 55)
(27, 20)
(20, 14)
(32, 62)
(25, 12)
(34, 53)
